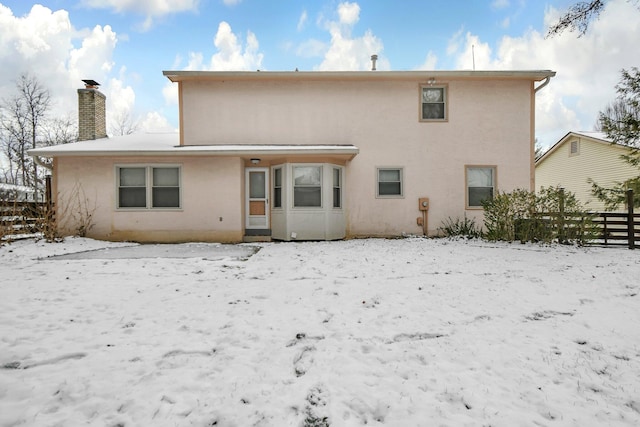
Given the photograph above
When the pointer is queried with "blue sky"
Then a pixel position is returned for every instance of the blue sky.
(126, 44)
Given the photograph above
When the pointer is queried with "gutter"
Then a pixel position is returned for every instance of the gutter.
(544, 83)
(40, 163)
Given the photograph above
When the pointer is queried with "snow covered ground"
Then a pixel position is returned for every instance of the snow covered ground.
(409, 332)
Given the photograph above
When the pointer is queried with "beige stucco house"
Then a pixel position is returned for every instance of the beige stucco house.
(578, 157)
(306, 156)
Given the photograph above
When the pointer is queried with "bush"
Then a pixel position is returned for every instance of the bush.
(552, 215)
(460, 228)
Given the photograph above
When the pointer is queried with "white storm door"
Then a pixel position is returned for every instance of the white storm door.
(257, 198)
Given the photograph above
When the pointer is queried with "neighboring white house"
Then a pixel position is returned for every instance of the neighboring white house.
(580, 156)
(307, 156)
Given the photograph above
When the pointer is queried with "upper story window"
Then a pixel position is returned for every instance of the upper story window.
(481, 183)
(148, 187)
(389, 182)
(433, 103)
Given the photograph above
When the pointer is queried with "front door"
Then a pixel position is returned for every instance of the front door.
(257, 198)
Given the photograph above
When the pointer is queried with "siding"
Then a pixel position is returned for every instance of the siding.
(596, 159)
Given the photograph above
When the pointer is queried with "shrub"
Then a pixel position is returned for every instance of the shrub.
(466, 227)
(551, 215)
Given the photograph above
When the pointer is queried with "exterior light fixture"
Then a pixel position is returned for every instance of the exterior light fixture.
(255, 161)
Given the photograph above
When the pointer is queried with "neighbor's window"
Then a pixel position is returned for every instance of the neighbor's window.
(433, 103)
(307, 186)
(337, 187)
(481, 181)
(277, 188)
(389, 182)
(145, 187)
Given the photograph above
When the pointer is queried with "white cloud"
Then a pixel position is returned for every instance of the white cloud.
(587, 68)
(345, 52)
(231, 2)
(151, 9)
(500, 4)
(146, 7)
(155, 122)
(430, 62)
(231, 54)
(349, 13)
(302, 21)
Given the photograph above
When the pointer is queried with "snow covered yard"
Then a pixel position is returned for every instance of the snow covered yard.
(410, 332)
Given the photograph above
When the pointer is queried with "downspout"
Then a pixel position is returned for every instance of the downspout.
(546, 82)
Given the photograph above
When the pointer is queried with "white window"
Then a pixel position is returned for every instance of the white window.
(433, 103)
(307, 186)
(389, 182)
(481, 182)
(337, 187)
(148, 187)
(277, 187)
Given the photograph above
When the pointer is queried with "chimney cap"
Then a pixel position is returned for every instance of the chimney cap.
(91, 83)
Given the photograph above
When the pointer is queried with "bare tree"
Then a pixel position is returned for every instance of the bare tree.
(579, 16)
(21, 121)
(124, 124)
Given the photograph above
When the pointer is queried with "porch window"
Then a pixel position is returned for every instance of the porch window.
(481, 181)
(433, 102)
(389, 182)
(307, 186)
(277, 188)
(337, 187)
(148, 187)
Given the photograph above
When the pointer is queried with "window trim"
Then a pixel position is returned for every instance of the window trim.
(445, 101)
(466, 183)
(390, 196)
(320, 166)
(149, 186)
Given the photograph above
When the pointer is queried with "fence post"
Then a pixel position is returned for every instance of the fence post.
(561, 215)
(631, 230)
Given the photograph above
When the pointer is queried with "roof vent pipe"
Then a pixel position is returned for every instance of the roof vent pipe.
(374, 58)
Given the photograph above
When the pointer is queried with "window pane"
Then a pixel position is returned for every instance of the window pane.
(132, 197)
(386, 175)
(256, 185)
(277, 197)
(166, 177)
(432, 94)
(132, 177)
(306, 175)
(307, 197)
(389, 189)
(277, 177)
(336, 177)
(480, 177)
(336, 197)
(478, 194)
(166, 197)
(433, 111)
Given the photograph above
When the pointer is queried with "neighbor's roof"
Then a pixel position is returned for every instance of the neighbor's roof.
(168, 144)
(598, 137)
(533, 75)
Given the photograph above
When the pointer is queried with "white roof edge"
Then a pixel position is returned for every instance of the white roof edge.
(535, 75)
(198, 150)
(596, 136)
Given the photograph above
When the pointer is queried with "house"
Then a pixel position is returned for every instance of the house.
(578, 157)
(11, 193)
(304, 156)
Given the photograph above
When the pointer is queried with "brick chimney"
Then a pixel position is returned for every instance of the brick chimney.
(92, 120)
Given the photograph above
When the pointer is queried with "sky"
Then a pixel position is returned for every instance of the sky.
(126, 44)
